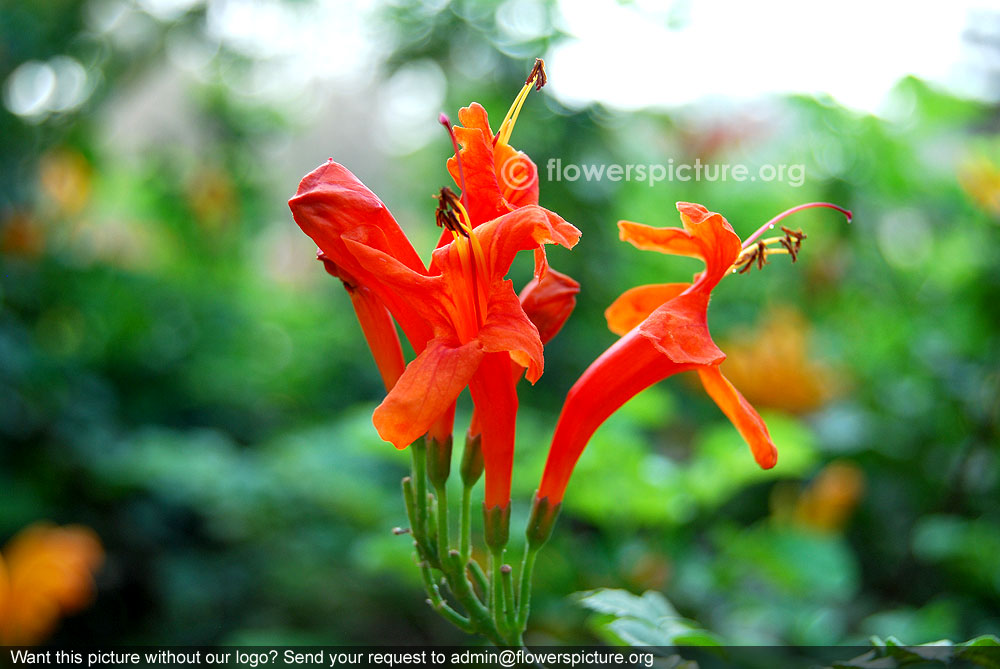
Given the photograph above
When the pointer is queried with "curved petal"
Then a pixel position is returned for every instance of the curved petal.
(673, 241)
(376, 324)
(548, 301)
(634, 305)
(743, 416)
(340, 214)
(380, 333)
(331, 201)
(508, 329)
(516, 175)
(721, 244)
(705, 235)
(679, 330)
(501, 239)
(482, 194)
(426, 390)
(405, 292)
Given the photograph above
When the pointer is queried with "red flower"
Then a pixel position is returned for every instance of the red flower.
(334, 208)
(496, 179)
(665, 331)
(462, 317)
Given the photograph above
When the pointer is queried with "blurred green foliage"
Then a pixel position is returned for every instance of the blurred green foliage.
(177, 372)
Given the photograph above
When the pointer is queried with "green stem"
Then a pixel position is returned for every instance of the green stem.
(438, 604)
(507, 575)
(463, 592)
(496, 589)
(465, 545)
(442, 521)
(418, 451)
(479, 577)
(524, 601)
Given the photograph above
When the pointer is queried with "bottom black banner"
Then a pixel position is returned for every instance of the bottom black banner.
(336, 657)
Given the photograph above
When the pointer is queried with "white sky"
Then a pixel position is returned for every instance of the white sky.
(854, 50)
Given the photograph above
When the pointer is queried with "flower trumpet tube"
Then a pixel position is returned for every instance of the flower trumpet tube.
(664, 330)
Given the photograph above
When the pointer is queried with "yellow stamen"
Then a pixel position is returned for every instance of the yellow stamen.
(761, 250)
(536, 79)
(453, 215)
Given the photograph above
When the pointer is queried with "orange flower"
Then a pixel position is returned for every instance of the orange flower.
(45, 572)
(479, 326)
(665, 331)
(463, 319)
(772, 366)
(496, 179)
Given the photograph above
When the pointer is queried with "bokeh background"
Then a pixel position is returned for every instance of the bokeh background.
(179, 375)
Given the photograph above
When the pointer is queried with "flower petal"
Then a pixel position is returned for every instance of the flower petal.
(635, 304)
(376, 324)
(482, 194)
(380, 333)
(411, 292)
(721, 244)
(548, 301)
(679, 330)
(516, 175)
(426, 390)
(743, 416)
(339, 213)
(508, 329)
(706, 235)
(331, 201)
(673, 241)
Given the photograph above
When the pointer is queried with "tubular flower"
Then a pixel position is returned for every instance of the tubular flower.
(664, 330)
(479, 327)
(334, 208)
(463, 319)
(496, 179)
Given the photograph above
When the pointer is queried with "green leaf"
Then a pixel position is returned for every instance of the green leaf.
(646, 620)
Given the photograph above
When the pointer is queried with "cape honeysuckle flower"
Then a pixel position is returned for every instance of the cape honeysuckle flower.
(356, 234)
(463, 318)
(664, 330)
(45, 572)
(479, 326)
(337, 211)
(496, 179)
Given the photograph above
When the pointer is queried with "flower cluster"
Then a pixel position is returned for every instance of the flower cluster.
(469, 329)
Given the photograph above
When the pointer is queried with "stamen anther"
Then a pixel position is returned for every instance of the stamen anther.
(537, 75)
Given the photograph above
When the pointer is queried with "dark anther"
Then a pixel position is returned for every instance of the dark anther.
(538, 74)
(792, 241)
(446, 215)
(761, 255)
(791, 247)
(749, 261)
